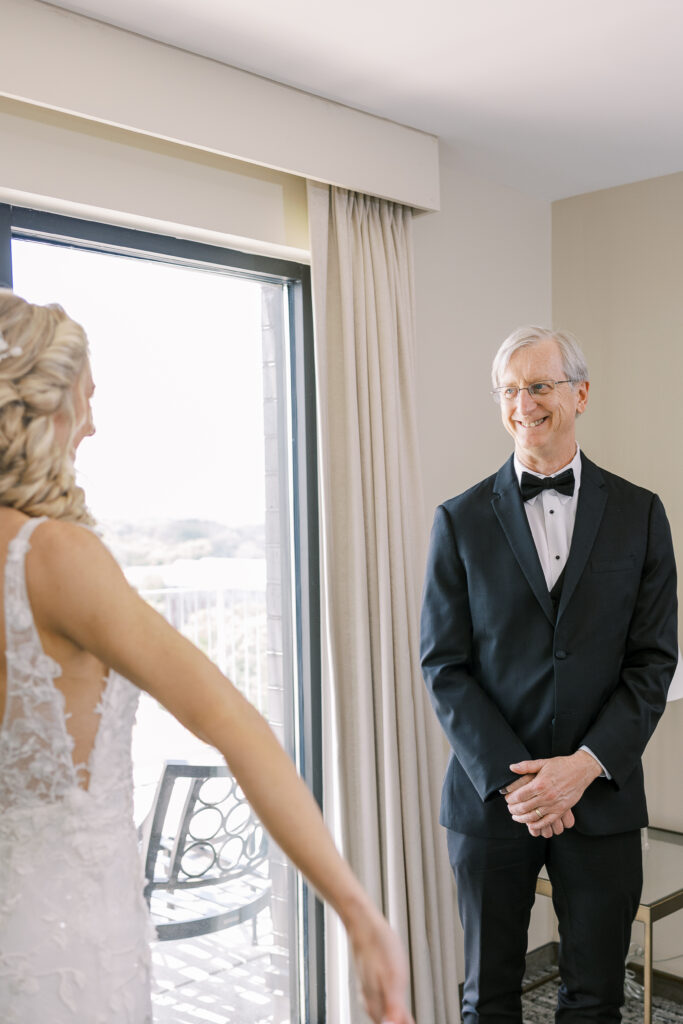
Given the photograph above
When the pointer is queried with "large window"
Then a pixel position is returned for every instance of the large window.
(201, 475)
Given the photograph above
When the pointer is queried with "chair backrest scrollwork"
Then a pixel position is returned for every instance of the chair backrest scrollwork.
(202, 832)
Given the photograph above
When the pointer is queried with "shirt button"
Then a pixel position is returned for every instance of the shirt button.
(551, 512)
(557, 558)
(560, 655)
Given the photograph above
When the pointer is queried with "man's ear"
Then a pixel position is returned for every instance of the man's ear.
(582, 396)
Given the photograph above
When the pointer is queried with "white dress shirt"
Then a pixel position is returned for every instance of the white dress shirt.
(551, 521)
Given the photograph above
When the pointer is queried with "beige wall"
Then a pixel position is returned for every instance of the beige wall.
(482, 268)
(617, 258)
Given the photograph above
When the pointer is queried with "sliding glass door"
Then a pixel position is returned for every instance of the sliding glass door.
(201, 476)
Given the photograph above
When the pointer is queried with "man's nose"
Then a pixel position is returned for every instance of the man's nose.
(525, 401)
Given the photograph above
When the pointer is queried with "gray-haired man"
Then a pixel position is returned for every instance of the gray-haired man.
(548, 645)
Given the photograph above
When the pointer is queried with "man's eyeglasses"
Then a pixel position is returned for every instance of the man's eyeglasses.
(537, 390)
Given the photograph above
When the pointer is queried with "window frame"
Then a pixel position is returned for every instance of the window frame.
(299, 433)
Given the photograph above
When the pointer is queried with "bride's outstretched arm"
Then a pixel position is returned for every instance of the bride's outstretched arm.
(79, 592)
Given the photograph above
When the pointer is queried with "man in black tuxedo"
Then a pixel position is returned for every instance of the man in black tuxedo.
(548, 644)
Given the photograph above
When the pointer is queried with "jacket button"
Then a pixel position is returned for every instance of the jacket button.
(561, 655)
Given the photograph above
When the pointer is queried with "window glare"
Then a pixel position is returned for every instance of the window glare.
(201, 371)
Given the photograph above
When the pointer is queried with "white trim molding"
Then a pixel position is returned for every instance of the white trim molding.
(63, 61)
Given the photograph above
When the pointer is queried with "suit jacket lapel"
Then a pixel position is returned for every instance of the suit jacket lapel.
(509, 509)
(589, 512)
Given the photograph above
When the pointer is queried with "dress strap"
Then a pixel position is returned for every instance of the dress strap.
(18, 613)
(26, 529)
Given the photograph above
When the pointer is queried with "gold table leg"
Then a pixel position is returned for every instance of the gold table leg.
(647, 972)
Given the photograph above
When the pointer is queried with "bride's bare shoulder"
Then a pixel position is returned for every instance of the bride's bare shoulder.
(67, 557)
(59, 545)
(72, 577)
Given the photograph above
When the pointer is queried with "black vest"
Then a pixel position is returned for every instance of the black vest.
(556, 592)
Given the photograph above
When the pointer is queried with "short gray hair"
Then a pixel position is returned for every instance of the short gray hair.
(573, 359)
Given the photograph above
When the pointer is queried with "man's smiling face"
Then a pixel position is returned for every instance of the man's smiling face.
(543, 426)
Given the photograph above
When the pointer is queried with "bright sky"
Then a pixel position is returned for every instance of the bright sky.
(176, 357)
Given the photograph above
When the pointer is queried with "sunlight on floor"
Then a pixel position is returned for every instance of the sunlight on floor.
(222, 978)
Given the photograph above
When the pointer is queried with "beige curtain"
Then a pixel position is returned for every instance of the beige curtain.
(384, 751)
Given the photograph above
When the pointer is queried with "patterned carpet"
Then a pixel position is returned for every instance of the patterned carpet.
(539, 1007)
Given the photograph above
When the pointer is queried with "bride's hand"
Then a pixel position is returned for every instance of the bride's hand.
(382, 969)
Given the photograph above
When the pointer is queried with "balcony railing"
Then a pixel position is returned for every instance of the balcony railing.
(229, 626)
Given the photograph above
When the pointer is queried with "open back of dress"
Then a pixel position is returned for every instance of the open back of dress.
(74, 926)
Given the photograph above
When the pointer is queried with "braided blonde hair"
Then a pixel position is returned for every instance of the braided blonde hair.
(43, 356)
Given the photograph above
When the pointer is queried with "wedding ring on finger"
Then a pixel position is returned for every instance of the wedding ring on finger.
(538, 812)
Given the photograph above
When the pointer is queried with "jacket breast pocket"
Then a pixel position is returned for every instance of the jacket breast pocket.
(613, 564)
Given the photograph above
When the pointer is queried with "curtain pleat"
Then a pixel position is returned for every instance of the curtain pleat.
(384, 753)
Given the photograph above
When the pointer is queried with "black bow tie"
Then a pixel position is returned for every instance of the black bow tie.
(532, 485)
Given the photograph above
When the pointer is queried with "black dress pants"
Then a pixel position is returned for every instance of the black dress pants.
(596, 883)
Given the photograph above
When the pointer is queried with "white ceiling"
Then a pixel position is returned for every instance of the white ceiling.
(552, 97)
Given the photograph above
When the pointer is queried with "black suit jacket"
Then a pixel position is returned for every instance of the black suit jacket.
(510, 680)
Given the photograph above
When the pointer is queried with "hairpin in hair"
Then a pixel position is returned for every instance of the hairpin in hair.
(6, 351)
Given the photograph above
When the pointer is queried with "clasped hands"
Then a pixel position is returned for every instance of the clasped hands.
(543, 797)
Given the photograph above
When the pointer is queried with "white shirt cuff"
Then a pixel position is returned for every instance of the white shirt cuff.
(604, 774)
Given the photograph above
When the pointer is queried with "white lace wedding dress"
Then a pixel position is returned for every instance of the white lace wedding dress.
(74, 927)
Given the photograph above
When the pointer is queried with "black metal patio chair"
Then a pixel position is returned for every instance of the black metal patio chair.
(205, 853)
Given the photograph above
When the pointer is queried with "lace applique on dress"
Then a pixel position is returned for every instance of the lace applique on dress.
(35, 748)
(74, 926)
